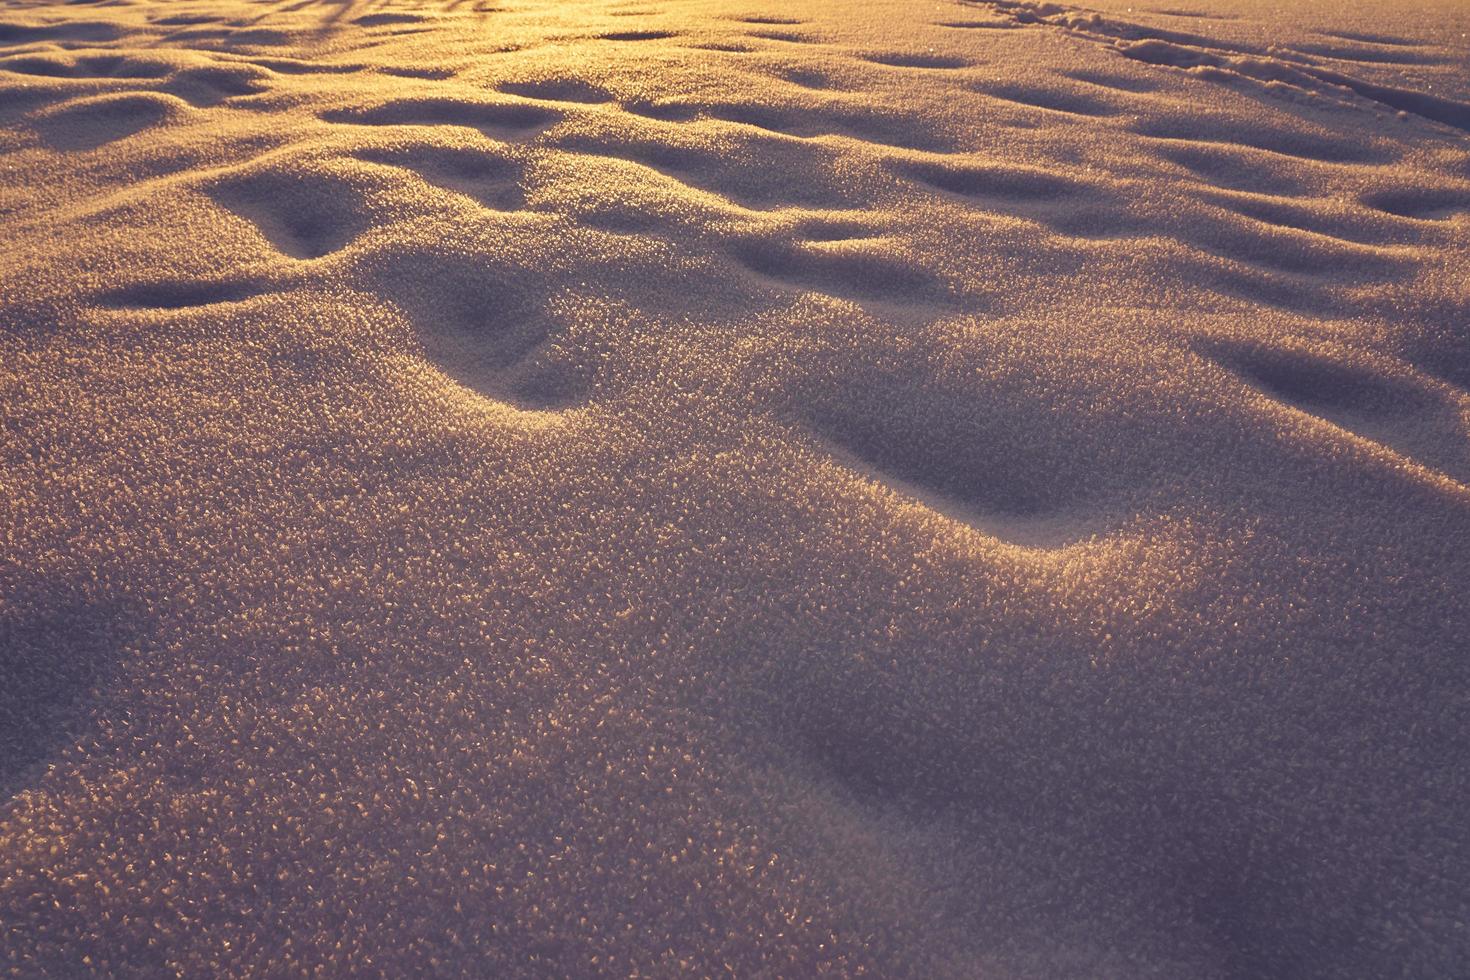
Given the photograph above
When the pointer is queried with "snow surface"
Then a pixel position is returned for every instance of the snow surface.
(693, 488)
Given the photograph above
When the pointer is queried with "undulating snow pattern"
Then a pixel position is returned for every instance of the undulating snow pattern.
(772, 489)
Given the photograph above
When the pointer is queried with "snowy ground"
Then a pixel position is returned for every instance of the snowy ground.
(688, 488)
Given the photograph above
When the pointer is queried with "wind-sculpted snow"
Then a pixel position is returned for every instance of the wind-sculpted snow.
(697, 488)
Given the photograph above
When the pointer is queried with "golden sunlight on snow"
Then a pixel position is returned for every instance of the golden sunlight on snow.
(967, 488)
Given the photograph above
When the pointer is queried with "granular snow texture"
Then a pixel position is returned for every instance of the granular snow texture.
(735, 487)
